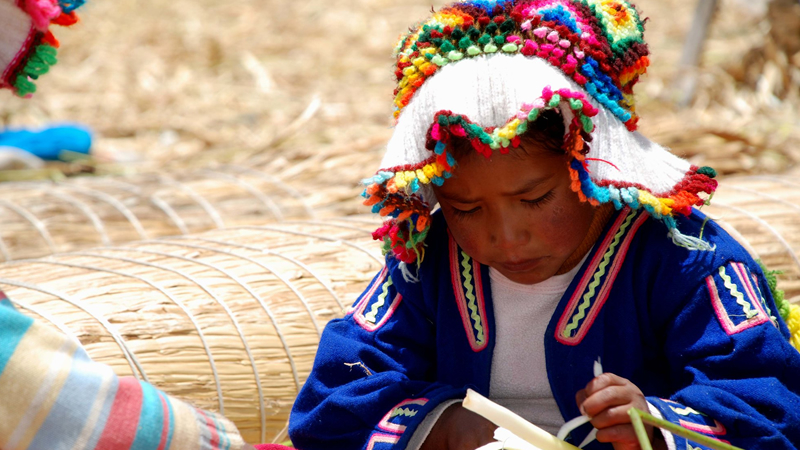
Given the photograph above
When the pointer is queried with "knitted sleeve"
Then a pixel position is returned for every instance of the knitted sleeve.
(737, 377)
(53, 396)
(368, 387)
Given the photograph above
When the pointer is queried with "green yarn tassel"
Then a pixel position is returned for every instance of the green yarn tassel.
(39, 63)
(23, 86)
(772, 281)
(707, 171)
(43, 57)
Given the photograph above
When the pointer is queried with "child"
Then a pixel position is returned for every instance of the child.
(563, 238)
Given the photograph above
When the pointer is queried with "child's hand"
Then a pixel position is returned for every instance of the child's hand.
(606, 399)
(459, 429)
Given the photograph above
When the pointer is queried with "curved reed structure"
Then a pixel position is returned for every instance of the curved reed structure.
(228, 319)
(42, 218)
(765, 211)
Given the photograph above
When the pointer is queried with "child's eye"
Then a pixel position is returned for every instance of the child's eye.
(540, 201)
(462, 214)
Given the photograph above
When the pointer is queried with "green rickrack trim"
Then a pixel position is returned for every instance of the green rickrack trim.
(746, 306)
(586, 302)
(470, 294)
(41, 58)
(373, 313)
(405, 412)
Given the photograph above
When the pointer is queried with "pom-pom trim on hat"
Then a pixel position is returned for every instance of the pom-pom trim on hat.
(39, 51)
(597, 43)
(394, 192)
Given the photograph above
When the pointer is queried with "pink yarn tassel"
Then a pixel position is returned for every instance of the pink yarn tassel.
(42, 12)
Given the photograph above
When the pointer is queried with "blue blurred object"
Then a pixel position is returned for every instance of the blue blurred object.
(49, 142)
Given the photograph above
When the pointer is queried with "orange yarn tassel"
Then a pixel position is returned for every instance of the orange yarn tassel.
(66, 19)
(51, 40)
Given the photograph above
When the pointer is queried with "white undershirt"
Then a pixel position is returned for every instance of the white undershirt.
(519, 372)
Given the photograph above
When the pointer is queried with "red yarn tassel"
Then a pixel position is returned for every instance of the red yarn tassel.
(66, 19)
(51, 40)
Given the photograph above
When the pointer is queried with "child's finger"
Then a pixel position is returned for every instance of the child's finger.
(603, 381)
(580, 397)
(618, 434)
(610, 417)
(610, 396)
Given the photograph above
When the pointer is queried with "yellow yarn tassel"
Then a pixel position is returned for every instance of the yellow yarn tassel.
(793, 322)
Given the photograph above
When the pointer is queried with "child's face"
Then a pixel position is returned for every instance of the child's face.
(515, 213)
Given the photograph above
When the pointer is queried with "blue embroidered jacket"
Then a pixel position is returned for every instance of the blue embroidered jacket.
(698, 332)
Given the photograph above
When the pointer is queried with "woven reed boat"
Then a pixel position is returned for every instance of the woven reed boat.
(228, 319)
(41, 218)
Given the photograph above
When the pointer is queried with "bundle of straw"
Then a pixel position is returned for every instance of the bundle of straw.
(229, 319)
(764, 214)
(41, 218)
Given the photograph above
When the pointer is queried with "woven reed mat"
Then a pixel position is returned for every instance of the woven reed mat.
(765, 211)
(41, 218)
(228, 319)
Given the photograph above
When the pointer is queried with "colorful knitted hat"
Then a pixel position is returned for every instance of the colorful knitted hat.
(484, 70)
(27, 47)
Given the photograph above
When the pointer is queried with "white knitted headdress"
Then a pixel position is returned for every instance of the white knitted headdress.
(489, 94)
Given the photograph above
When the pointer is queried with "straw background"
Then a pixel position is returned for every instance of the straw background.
(765, 213)
(183, 313)
(271, 83)
(44, 217)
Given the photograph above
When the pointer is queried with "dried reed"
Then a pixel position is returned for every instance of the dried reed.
(228, 319)
(765, 211)
(41, 218)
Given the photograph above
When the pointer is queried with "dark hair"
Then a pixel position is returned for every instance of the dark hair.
(546, 132)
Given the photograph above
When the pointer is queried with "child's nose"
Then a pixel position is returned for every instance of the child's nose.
(509, 235)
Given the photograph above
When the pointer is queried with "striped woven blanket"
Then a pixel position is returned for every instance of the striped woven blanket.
(53, 396)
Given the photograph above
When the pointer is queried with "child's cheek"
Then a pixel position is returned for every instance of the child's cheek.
(568, 222)
(468, 236)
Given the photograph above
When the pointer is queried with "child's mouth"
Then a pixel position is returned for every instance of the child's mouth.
(522, 265)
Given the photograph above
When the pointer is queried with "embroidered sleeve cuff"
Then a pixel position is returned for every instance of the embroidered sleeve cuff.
(688, 418)
(425, 427)
(668, 437)
(398, 428)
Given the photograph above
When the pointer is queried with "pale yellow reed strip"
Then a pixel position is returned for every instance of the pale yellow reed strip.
(310, 235)
(507, 419)
(255, 192)
(213, 295)
(199, 199)
(133, 363)
(249, 290)
(37, 224)
(116, 204)
(178, 303)
(267, 251)
(269, 269)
